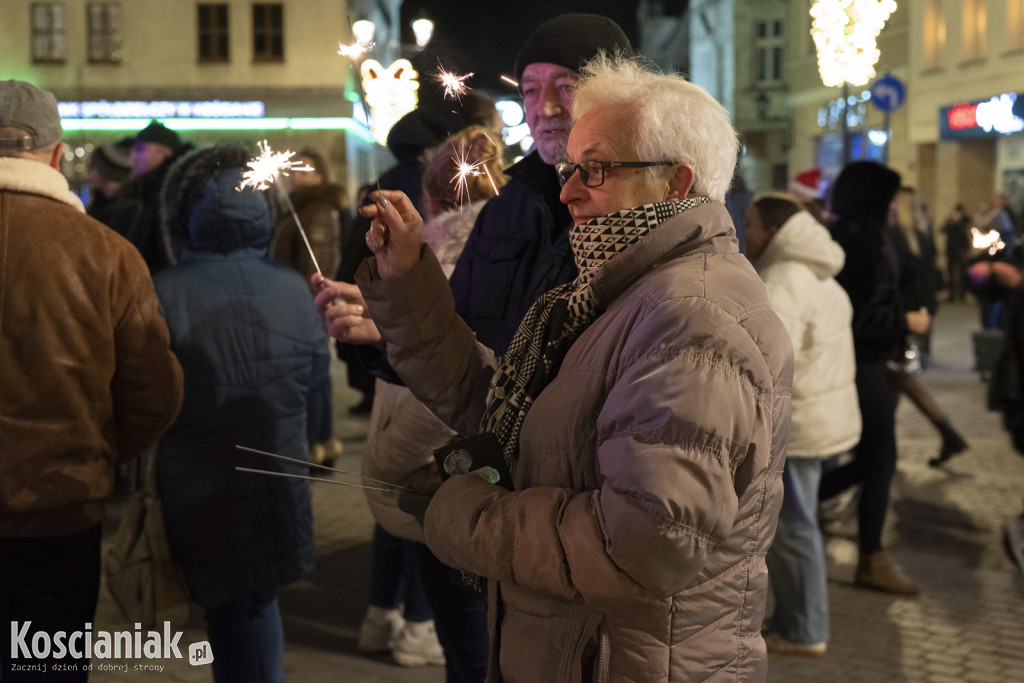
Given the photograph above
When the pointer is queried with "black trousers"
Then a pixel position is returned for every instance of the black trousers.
(53, 582)
(874, 458)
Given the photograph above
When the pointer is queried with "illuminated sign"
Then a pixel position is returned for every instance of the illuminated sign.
(390, 93)
(1000, 115)
(268, 124)
(205, 109)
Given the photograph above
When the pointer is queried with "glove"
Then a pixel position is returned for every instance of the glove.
(415, 502)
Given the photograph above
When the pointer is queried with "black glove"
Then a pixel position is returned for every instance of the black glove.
(415, 502)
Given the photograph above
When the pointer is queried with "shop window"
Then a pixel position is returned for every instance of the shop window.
(49, 42)
(268, 32)
(934, 33)
(768, 42)
(1014, 24)
(975, 28)
(103, 25)
(213, 32)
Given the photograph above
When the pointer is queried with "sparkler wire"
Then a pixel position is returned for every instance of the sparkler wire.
(302, 476)
(302, 232)
(323, 467)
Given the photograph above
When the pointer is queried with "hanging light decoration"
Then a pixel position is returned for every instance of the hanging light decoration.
(845, 33)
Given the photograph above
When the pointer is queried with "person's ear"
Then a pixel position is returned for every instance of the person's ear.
(55, 157)
(680, 182)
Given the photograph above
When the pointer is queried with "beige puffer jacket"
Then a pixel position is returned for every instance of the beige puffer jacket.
(649, 481)
(403, 433)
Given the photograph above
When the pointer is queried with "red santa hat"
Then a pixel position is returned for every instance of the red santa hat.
(806, 185)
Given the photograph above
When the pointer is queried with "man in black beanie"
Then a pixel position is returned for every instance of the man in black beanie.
(519, 247)
(154, 151)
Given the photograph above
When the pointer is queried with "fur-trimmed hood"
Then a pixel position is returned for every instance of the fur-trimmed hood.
(447, 232)
(35, 177)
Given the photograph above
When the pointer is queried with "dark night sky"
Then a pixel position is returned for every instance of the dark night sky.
(483, 36)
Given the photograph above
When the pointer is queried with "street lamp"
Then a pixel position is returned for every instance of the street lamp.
(363, 30)
(845, 36)
(423, 29)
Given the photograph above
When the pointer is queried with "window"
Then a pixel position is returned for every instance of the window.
(268, 32)
(1014, 24)
(974, 29)
(104, 31)
(768, 41)
(934, 34)
(49, 45)
(213, 33)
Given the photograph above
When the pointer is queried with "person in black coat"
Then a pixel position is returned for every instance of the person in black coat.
(861, 197)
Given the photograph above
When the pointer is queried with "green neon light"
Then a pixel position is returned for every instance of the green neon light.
(326, 123)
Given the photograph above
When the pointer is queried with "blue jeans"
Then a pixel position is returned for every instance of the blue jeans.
(796, 558)
(460, 616)
(396, 576)
(247, 640)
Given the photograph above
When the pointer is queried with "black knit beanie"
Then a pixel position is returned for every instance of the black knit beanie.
(569, 40)
(864, 190)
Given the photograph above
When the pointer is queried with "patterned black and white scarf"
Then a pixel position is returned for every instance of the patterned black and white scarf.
(560, 315)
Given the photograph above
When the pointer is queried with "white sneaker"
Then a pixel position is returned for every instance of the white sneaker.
(416, 645)
(379, 630)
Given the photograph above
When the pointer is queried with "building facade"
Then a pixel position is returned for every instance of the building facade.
(966, 115)
(218, 72)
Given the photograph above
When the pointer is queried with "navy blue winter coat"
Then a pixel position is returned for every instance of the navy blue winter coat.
(254, 351)
(519, 249)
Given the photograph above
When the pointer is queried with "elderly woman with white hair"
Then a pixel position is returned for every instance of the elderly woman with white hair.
(642, 409)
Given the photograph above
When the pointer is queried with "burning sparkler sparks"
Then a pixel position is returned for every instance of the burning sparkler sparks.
(990, 240)
(264, 170)
(354, 50)
(511, 81)
(454, 86)
(466, 169)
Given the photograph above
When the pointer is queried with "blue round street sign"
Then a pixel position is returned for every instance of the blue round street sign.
(888, 93)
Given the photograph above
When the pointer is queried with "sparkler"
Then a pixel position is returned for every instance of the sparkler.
(354, 50)
(264, 171)
(302, 476)
(465, 169)
(313, 464)
(454, 86)
(990, 240)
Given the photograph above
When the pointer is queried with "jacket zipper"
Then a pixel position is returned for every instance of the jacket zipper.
(601, 668)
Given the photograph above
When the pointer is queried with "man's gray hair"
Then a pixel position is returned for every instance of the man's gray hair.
(675, 120)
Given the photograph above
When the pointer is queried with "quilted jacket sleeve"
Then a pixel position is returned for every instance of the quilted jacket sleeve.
(428, 344)
(684, 435)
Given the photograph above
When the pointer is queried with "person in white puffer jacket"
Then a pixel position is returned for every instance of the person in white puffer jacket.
(797, 259)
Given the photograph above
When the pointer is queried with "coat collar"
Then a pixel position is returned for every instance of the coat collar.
(35, 177)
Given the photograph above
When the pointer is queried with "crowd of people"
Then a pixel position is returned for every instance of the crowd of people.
(675, 374)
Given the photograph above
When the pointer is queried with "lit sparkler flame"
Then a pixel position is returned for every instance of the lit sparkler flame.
(513, 82)
(454, 86)
(265, 169)
(354, 50)
(990, 240)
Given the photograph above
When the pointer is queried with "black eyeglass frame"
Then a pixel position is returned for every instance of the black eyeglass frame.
(562, 167)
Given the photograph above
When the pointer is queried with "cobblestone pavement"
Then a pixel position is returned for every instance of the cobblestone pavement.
(944, 531)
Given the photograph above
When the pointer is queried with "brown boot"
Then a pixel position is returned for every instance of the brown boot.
(875, 572)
